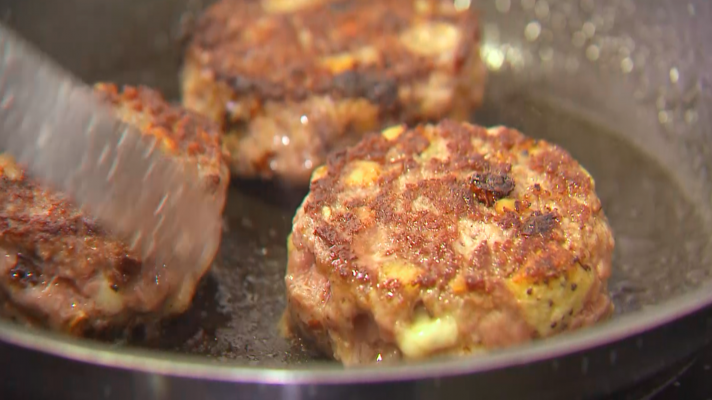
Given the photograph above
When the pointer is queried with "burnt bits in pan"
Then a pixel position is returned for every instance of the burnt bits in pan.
(427, 251)
(292, 81)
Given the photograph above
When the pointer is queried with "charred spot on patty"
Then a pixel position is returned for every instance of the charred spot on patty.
(475, 282)
(242, 85)
(383, 91)
(491, 186)
(538, 223)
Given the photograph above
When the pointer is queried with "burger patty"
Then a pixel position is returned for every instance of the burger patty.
(60, 269)
(446, 239)
(292, 80)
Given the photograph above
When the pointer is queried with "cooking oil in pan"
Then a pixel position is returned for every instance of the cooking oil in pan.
(659, 243)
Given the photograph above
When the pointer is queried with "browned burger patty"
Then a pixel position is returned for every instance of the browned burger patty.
(292, 80)
(446, 239)
(59, 269)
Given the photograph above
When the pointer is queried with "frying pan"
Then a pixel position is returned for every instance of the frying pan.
(624, 85)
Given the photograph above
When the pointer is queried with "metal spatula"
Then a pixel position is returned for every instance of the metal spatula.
(56, 127)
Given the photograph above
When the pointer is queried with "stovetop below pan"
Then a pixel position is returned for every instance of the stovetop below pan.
(689, 380)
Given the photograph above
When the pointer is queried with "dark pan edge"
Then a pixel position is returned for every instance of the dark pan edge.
(192, 367)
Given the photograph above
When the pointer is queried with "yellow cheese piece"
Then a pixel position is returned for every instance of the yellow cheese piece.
(8, 167)
(504, 204)
(393, 132)
(405, 272)
(363, 173)
(426, 335)
(287, 6)
(107, 299)
(430, 38)
(339, 63)
(326, 212)
(318, 173)
(458, 285)
(546, 306)
(437, 149)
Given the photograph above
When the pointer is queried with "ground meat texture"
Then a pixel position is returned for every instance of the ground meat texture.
(60, 269)
(293, 80)
(447, 239)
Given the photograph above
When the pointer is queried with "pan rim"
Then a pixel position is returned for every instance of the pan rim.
(196, 367)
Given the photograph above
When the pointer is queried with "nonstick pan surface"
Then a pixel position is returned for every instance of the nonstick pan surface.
(623, 85)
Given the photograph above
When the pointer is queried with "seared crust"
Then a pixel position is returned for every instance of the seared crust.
(283, 53)
(58, 268)
(346, 66)
(183, 133)
(499, 237)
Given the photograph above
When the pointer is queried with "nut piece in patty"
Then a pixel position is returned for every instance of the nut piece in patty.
(446, 239)
(292, 80)
(60, 269)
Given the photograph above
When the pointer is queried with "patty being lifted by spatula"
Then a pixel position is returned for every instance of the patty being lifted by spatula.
(62, 270)
(446, 239)
(292, 80)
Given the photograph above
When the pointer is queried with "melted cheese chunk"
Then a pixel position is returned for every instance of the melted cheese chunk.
(437, 149)
(393, 132)
(403, 271)
(431, 38)
(548, 306)
(326, 212)
(363, 173)
(345, 61)
(318, 173)
(503, 205)
(106, 298)
(287, 6)
(426, 335)
(8, 168)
